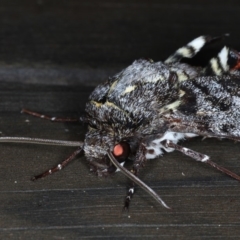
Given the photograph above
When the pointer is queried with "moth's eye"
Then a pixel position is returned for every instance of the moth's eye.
(121, 149)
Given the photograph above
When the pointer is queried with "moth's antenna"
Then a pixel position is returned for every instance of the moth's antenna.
(137, 180)
(41, 141)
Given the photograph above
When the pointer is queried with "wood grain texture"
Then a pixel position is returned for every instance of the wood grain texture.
(50, 52)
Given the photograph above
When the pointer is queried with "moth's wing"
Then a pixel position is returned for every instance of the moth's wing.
(210, 106)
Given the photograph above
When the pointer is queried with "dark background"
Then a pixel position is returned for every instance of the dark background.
(52, 54)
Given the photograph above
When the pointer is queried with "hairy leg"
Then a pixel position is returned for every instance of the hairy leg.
(53, 119)
(60, 166)
(191, 49)
(201, 158)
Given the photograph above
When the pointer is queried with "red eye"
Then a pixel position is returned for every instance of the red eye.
(118, 150)
(121, 150)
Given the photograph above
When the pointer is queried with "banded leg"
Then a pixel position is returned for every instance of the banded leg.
(136, 180)
(138, 164)
(59, 166)
(128, 198)
(227, 61)
(200, 157)
(191, 49)
(53, 119)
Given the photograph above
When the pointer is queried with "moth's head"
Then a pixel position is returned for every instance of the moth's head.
(96, 145)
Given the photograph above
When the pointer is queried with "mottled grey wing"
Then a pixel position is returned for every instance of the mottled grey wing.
(210, 106)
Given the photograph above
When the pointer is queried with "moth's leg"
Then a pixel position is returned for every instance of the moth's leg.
(59, 166)
(200, 157)
(99, 168)
(136, 180)
(138, 164)
(191, 49)
(129, 196)
(226, 61)
(53, 119)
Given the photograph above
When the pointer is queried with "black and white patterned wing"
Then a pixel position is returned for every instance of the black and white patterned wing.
(210, 106)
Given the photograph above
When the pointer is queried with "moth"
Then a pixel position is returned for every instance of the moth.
(147, 108)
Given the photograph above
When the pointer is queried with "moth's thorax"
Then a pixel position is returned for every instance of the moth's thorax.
(184, 71)
(131, 100)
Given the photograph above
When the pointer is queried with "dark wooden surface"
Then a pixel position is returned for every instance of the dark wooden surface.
(51, 54)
